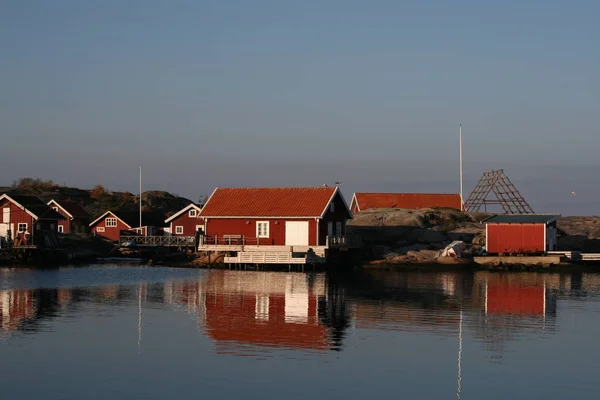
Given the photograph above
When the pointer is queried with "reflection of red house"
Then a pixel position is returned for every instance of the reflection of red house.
(268, 309)
(16, 306)
(365, 201)
(504, 298)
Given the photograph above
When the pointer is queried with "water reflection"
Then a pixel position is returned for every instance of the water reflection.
(243, 311)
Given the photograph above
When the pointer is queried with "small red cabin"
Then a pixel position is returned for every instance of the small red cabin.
(520, 234)
(276, 216)
(186, 222)
(365, 201)
(112, 223)
(24, 218)
(77, 219)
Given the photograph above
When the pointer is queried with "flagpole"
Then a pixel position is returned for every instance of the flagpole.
(141, 196)
(462, 203)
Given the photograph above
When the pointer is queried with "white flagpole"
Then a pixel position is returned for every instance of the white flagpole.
(462, 203)
(141, 196)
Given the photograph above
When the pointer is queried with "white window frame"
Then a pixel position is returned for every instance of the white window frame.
(110, 223)
(55, 209)
(179, 229)
(332, 207)
(61, 229)
(19, 225)
(265, 231)
(100, 229)
(193, 213)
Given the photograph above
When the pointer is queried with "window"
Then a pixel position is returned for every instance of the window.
(179, 230)
(192, 213)
(262, 229)
(331, 207)
(338, 229)
(55, 209)
(21, 228)
(100, 229)
(110, 222)
(61, 228)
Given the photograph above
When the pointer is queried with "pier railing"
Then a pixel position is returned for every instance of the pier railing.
(166, 241)
(241, 240)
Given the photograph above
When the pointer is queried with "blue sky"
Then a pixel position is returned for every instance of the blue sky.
(270, 93)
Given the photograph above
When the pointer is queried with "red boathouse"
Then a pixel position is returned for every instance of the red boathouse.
(77, 219)
(25, 218)
(520, 234)
(414, 201)
(276, 216)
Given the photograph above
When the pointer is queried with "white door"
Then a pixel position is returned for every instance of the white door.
(199, 227)
(296, 233)
(6, 215)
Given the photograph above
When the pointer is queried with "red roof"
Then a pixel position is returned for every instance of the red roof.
(73, 208)
(405, 200)
(268, 202)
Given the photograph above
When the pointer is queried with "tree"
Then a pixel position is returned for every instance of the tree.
(98, 192)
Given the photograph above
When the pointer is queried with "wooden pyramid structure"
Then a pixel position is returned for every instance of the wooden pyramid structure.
(505, 193)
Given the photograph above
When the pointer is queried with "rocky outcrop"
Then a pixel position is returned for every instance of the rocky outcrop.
(417, 236)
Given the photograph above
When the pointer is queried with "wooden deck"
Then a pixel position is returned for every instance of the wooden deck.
(270, 257)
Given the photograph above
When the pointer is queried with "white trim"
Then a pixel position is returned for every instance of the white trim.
(259, 217)
(487, 247)
(100, 229)
(208, 201)
(177, 229)
(105, 214)
(5, 196)
(61, 207)
(184, 209)
(545, 242)
(317, 221)
(354, 201)
(268, 225)
(336, 191)
(60, 228)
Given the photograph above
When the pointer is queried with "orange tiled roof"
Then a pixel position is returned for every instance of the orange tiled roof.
(268, 202)
(406, 200)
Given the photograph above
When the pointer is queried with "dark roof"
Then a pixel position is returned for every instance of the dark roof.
(36, 206)
(73, 208)
(521, 219)
(149, 218)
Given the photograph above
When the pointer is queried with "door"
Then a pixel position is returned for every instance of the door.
(6, 215)
(296, 233)
(4, 228)
(199, 228)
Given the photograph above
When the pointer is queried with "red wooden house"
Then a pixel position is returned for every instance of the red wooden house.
(186, 222)
(276, 216)
(520, 234)
(365, 201)
(77, 219)
(112, 223)
(26, 218)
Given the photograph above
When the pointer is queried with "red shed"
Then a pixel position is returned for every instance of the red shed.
(26, 217)
(365, 201)
(76, 220)
(520, 234)
(186, 221)
(112, 223)
(277, 216)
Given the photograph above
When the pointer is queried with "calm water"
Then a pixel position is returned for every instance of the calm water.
(156, 333)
